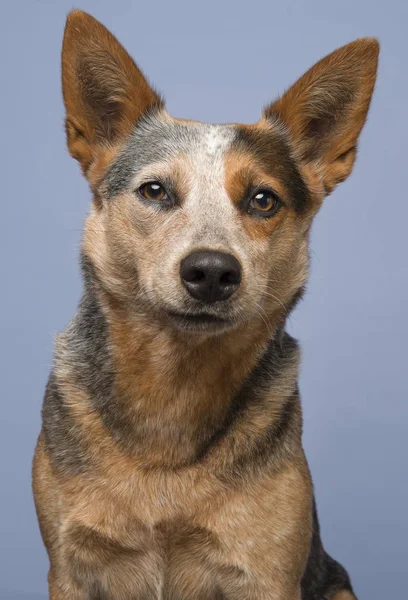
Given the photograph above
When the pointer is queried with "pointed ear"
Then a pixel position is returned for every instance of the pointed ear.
(104, 91)
(325, 110)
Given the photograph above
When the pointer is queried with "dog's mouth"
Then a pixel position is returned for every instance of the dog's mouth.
(199, 322)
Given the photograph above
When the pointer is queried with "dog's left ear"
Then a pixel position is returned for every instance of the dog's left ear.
(325, 110)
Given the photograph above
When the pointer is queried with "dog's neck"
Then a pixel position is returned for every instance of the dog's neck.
(168, 395)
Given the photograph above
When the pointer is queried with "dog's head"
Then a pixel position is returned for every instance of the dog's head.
(204, 226)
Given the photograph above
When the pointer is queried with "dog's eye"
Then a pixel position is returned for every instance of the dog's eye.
(264, 201)
(153, 191)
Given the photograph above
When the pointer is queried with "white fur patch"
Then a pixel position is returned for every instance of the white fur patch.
(208, 202)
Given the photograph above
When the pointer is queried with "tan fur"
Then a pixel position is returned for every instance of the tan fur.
(89, 505)
(147, 510)
(240, 171)
(344, 596)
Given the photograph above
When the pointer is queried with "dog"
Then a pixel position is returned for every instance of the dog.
(170, 461)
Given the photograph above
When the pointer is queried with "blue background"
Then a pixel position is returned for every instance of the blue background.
(222, 61)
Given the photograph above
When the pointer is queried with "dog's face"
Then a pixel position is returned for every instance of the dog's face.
(203, 226)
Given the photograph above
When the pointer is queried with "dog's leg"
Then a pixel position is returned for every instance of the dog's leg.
(56, 593)
(344, 595)
(263, 537)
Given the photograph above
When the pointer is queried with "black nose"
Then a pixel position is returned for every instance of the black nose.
(210, 276)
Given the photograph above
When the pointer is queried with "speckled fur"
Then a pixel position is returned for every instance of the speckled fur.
(170, 463)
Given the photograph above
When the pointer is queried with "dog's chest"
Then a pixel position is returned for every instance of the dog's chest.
(191, 565)
(174, 560)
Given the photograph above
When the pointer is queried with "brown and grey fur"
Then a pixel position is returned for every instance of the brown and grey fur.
(170, 462)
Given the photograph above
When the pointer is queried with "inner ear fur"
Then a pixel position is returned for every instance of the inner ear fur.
(325, 110)
(104, 91)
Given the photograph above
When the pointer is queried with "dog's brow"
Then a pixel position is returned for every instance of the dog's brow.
(157, 139)
(271, 151)
(152, 141)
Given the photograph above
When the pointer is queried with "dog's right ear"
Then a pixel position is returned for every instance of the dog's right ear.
(104, 92)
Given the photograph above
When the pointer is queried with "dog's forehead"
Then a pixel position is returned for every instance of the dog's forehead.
(166, 136)
(158, 138)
